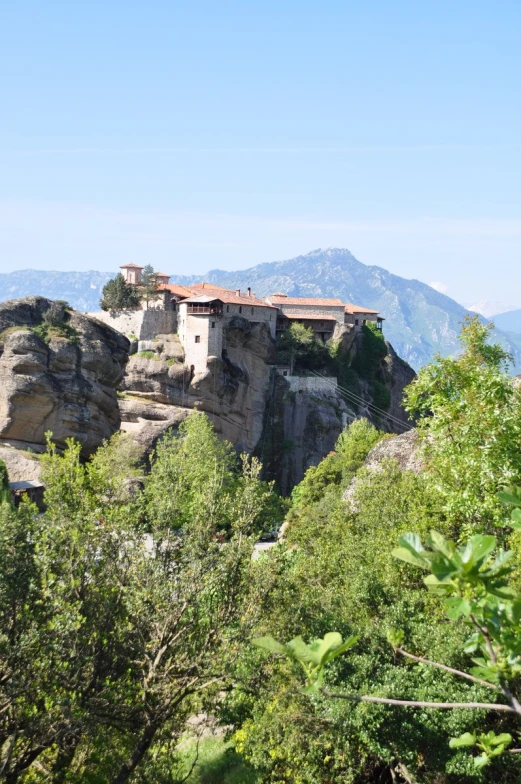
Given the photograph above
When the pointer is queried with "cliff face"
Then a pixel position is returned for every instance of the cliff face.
(159, 390)
(59, 372)
(288, 424)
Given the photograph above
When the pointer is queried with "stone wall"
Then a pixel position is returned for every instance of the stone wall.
(327, 311)
(360, 318)
(255, 314)
(312, 384)
(144, 324)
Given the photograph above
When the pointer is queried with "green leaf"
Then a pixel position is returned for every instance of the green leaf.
(467, 739)
(269, 643)
(395, 637)
(510, 496)
(481, 761)
(346, 645)
(411, 551)
(318, 649)
(480, 547)
(444, 546)
(503, 738)
(456, 606)
(301, 651)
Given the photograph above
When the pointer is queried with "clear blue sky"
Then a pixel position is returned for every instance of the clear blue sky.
(200, 134)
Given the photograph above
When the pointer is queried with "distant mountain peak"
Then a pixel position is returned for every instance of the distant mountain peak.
(419, 320)
(489, 308)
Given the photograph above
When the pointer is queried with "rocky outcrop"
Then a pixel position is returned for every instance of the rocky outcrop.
(159, 390)
(398, 375)
(59, 372)
(404, 450)
(21, 465)
(300, 428)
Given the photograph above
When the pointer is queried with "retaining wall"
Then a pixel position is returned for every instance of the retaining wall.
(144, 324)
(327, 384)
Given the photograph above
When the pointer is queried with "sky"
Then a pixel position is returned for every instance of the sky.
(198, 135)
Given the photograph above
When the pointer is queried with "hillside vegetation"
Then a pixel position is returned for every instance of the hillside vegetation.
(133, 606)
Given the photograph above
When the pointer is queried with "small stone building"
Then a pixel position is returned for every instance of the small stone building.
(321, 315)
(203, 317)
(359, 316)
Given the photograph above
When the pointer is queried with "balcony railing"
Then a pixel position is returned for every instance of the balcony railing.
(210, 310)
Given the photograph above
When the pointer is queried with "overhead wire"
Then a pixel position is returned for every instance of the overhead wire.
(357, 399)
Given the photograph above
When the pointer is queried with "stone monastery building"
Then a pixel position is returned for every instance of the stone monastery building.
(204, 309)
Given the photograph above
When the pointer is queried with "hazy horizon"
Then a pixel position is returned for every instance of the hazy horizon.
(199, 136)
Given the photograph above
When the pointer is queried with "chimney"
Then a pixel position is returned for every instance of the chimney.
(249, 291)
(238, 292)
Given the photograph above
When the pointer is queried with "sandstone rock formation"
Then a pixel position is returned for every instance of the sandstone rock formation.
(403, 449)
(159, 390)
(21, 465)
(59, 373)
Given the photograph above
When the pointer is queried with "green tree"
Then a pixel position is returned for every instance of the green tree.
(5, 492)
(148, 287)
(115, 628)
(469, 418)
(118, 295)
(339, 466)
(473, 581)
(298, 347)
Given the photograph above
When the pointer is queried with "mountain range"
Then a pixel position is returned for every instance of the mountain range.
(419, 321)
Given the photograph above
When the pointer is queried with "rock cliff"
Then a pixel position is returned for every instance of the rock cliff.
(159, 390)
(59, 372)
(289, 428)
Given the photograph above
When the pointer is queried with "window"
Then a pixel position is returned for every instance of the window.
(197, 338)
(364, 322)
(356, 322)
(213, 324)
(240, 308)
(252, 311)
(227, 308)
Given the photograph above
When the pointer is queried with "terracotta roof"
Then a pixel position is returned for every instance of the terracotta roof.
(350, 308)
(229, 298)
(232, 298)
(308, 317)
(277, 299)
(211, 286)
(161, 275)
(178, 291)
(134, 266)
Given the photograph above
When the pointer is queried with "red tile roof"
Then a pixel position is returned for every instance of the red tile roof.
(349, 308)
(177, 291)
(134, 266)
(282, 299)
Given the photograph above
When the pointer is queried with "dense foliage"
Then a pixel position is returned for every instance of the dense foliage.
(298, 348)
(337, 573)
(120, 615)
(130, 605)
(118, 295)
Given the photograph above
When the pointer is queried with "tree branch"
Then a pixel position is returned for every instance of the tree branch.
(453, 671)
(419, 704)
